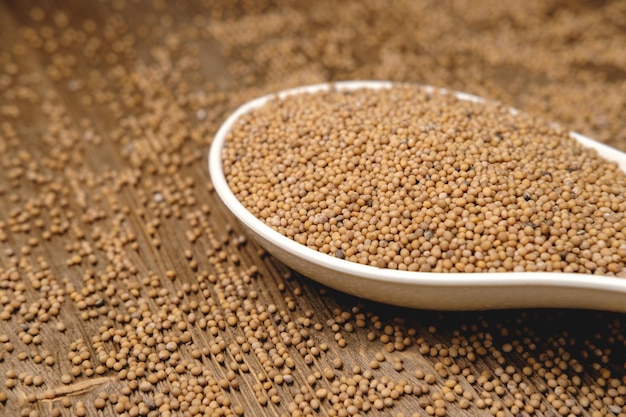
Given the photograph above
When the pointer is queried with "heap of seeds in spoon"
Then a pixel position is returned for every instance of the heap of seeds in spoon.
(407, 179)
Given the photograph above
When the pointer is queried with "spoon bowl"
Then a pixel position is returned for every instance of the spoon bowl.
(426, 290)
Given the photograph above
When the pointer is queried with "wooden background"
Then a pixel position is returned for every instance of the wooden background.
(109, 226)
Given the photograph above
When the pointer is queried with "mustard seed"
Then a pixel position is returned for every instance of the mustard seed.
(395, 188)
(104, 219)
(99, 403)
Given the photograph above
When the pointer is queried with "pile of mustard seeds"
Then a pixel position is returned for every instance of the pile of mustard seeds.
(407, 179)
(127, 289)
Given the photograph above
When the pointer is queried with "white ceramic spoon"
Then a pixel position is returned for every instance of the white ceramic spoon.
(441, 291)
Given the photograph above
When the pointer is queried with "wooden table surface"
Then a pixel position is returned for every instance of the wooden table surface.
(127, 289)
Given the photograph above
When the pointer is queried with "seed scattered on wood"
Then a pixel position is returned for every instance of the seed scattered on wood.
(116, 260)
